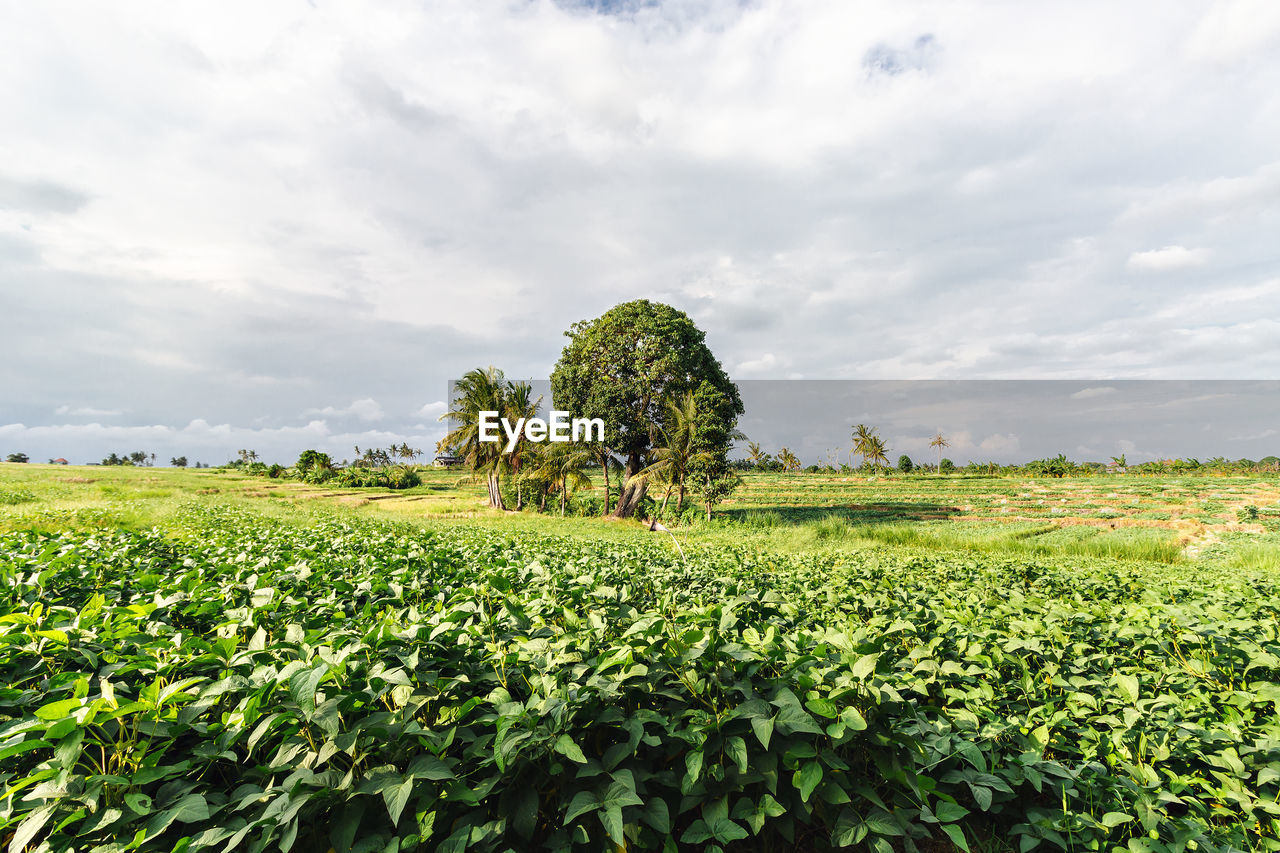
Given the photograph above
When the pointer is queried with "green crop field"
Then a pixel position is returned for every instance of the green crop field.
(208, 661)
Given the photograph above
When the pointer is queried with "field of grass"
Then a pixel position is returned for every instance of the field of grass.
(205, 661)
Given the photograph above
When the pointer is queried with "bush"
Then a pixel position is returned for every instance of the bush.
(905, 465)
(378, 478)
(946, 466)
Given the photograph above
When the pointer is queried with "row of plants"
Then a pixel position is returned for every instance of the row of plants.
(239, 684)
(1055, 466)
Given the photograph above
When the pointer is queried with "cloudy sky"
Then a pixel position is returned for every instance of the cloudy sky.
(286, 225)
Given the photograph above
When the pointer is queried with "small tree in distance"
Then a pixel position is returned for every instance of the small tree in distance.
(939, 441)
(905, 465)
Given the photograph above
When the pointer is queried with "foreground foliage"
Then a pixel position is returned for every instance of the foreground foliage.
(241, 684)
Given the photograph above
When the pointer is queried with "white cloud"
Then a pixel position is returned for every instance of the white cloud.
(431, 411)
(1091, 393)
(1169, 259)
(766, 363)
(201, 440)
(1266, 433)
(997, 443)
(366, 409)
(88, 411)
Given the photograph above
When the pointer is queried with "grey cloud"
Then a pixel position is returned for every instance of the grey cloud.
(883, 59)
(324, 205)
(39, 196)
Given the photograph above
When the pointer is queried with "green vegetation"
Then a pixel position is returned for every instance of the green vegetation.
(216, 660)
(632, 367)
(236, 680)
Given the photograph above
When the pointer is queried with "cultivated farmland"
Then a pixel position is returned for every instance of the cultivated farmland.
(201, 662)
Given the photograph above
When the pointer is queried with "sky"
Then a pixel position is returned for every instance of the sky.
(288, 225)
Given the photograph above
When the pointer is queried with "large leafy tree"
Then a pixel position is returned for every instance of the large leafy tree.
(622, 367)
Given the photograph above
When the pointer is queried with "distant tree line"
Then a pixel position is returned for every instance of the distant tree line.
(758, 459)
(392, 468)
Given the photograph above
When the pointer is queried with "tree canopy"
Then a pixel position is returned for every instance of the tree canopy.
(624, 366)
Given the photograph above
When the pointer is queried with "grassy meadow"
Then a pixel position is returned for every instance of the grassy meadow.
(202, 660)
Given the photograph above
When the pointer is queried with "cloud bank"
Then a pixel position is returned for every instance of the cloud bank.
(255, 215)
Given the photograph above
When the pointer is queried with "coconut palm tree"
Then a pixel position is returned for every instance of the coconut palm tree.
(939, 441)
(564, 467)
(479, 390)
(519, 403)
(790, 462)
(756, 453)
(670, 463)
(862, 435)
(876, 452)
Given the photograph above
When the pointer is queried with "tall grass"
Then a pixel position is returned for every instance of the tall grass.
(1042, 541)
(1260, 555)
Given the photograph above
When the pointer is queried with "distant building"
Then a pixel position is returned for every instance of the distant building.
(447, 460)
(59, 461)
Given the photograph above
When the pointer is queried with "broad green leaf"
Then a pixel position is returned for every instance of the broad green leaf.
(956, 834)
(582, 802)
(807, 778)
(395, 799)
(763, 727)
(864, 666)
(566, 746)
(30, 826)
(1127, 686)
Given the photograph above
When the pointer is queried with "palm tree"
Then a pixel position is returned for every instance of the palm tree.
(877, 452)
(670, 462)
(862, 436)
(939, 441)
(756, 453)
(478, 391)
(564, 466)
(790, 462)
(519, 404)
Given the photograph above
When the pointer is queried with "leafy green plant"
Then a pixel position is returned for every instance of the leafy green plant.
(238, 683)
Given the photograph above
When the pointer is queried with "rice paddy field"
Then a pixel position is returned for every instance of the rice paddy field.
(206, 661)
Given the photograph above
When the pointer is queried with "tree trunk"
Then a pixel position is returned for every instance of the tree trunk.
(632, 493)
(666, 497)
(604, 461)
(495, 492)
(680, 498)
(564, 498)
